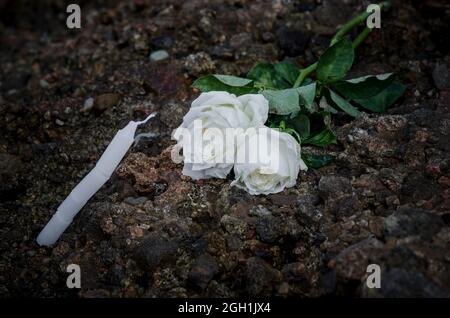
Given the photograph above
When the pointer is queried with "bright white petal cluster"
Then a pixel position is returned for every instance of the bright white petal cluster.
(274, 170)
(206, 154)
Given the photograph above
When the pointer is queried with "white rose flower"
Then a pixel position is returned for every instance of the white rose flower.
(274, 169)
(217, 111)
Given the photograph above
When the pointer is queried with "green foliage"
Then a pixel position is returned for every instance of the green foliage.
(316, 161)
(307, 94)
(322, 139)
(301, 125)
(343, 104)
(382, 101)
(335, 61)
(230, 84)
(282, 102)
(288, 71)
(364, 87)
(265, 76)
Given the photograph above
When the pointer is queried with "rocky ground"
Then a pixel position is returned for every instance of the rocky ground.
(151, 231)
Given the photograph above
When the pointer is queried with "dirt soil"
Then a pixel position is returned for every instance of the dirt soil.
(151, 231)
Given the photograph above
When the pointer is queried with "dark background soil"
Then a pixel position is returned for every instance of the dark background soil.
(151, 232)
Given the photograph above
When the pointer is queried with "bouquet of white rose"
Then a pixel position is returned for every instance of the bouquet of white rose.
(265, 160)
(273, 110)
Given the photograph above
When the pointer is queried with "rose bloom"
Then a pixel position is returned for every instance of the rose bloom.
(216, 111)
(277, 163)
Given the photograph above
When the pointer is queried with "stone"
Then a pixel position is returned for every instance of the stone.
(156, 249)
(260, 277)
(234, 225)
(135, 201)
(198, 64)
(87, 105)
(269, 228)
(105, 101)
(158, 55)
(203, 270)
(334, 186)
(412, 222)
(351, 263)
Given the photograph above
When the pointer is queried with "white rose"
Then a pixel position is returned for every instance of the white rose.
(274, 169)
(217, 111)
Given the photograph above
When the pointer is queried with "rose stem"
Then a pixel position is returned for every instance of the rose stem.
(343, 31)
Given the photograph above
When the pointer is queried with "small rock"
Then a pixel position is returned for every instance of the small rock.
(444, 181)
(59, 122)
(140, 44)
(234, 225)
(106, 101)
(269, 228)
(135, 201)
(223, 52)
(240, 40)
(294, 272)
(88, 105)
(203, 270)
(351, 263)
(411, 222)
(334, 186)
(199, 64)
(44, 83)
(441, 76)
(156, 249)
(158, 55)
(261, 278)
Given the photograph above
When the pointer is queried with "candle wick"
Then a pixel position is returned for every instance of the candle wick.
(146, 119)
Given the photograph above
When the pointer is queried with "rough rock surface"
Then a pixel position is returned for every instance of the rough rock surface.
(152, 232)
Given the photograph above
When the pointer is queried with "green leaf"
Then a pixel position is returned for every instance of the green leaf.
(322, 139)
(316, 161)
(343, 104)
(382, 101)
(213, 83)
(233, 80)
(301, 125)
(287, 71)
(335, 61)
(307, 94)
(282, 102)
(364, 87)
(265, 76)
(323, 103)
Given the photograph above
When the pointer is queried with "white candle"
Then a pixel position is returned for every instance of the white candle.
(90, 184)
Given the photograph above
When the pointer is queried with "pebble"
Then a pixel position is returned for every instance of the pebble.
(88, 105)
(44, 83)
(155, 249)
(106, 101)
(203, 270)
(135, 201)
(158, 55)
